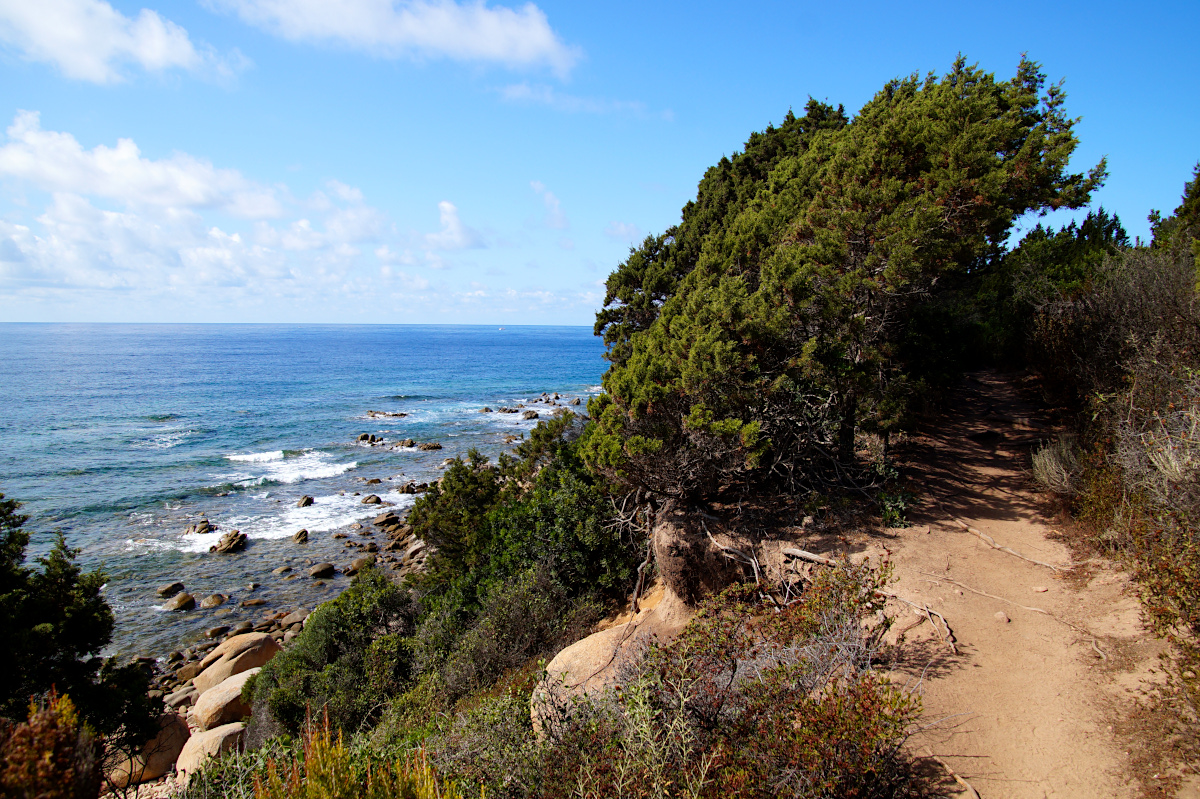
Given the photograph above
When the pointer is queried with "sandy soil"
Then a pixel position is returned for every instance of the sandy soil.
(1035, 696)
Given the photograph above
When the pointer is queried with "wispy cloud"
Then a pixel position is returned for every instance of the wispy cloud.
(92, 41)
(624, 232)
(541, 94)
(454, 235)
(555, 218)
(471, 31)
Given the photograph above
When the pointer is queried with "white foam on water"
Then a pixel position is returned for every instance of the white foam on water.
(172, 438)
(257, 457)
(277, 521)
(307, 465)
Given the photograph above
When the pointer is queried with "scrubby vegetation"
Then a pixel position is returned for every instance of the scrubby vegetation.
(1117, 340)
(827, 283)
(55, 622)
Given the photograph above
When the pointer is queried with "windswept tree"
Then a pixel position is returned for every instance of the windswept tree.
(751, 341)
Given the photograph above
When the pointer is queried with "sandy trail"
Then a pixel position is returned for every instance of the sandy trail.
(1026, 707)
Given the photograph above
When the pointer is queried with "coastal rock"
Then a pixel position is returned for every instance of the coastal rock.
(295, 617)
(363, 437)
(184, 601)
(253, 603)
(241, 627)
(408, 442)
(216, 632)
(374, 481)
(301, 537)
(183, 697)
(305, 501)
(233, 541)
(386, 519)
(485, 409)
(169, 590)
(371, 499)
(386, 414)
(529, 415)
(360, 563)
(235, 655)
(321, 570)
(429, 446)
(281, 570)
(222, 704)
(188, 672)
(576, 401)
(213, 600)
(201, 746)
(156, 757)
(200, 527)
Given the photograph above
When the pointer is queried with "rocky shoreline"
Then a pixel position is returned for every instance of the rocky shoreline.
(200, 683)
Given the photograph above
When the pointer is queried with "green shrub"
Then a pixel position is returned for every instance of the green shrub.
(55, 622)
(350, 658)
(748, 702)
(52, 755)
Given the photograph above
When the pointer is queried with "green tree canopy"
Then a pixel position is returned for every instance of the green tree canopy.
(750, 341)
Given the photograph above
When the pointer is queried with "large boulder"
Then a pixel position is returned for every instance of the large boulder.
(691, 565)
(235, 655)
(371, 499)
(301, 537)
(213, 600)
(169, 590)
(529, 415)
(594, 664)
(203, 745)
(156, 757)
(222, 704)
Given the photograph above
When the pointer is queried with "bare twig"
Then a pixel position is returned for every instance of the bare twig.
(991, 542)
(970, 789)
(947, 639)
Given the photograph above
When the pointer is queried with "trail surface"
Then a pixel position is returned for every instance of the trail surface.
(1036, 696)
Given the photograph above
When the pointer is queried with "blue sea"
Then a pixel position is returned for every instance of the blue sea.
(121, 436)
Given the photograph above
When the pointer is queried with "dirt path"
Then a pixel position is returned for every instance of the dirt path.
(1033, 703)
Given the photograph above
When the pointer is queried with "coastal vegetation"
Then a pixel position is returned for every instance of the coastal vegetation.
(825, 288)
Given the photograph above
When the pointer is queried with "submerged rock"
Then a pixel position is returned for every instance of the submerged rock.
(213, 600)
(321, 570)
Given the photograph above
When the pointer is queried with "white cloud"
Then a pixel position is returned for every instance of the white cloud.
(624, 232)
(454, 235)
(57, 162)
(469, 31)
(540, 94)
(555, 218)
(90, 40)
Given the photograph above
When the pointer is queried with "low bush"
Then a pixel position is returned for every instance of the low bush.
(748, 702)
(52, 755)
(352, 656)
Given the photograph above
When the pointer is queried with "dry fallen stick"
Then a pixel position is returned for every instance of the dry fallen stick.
(974, 794)
(1063, 622)
(790, 552)
(991, 542)
(947, 639)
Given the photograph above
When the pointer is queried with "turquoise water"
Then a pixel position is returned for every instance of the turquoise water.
(122, 435)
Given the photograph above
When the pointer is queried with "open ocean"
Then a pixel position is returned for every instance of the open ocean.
(122, 435)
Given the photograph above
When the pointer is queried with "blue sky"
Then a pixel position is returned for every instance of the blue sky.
(386, 161)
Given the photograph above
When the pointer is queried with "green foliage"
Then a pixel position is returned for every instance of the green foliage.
(1047, 266)
(330, 770)
(55, 622)
(51, 755)
(759, 348)
(352, 655)
(748, 702)
(1182, 228)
